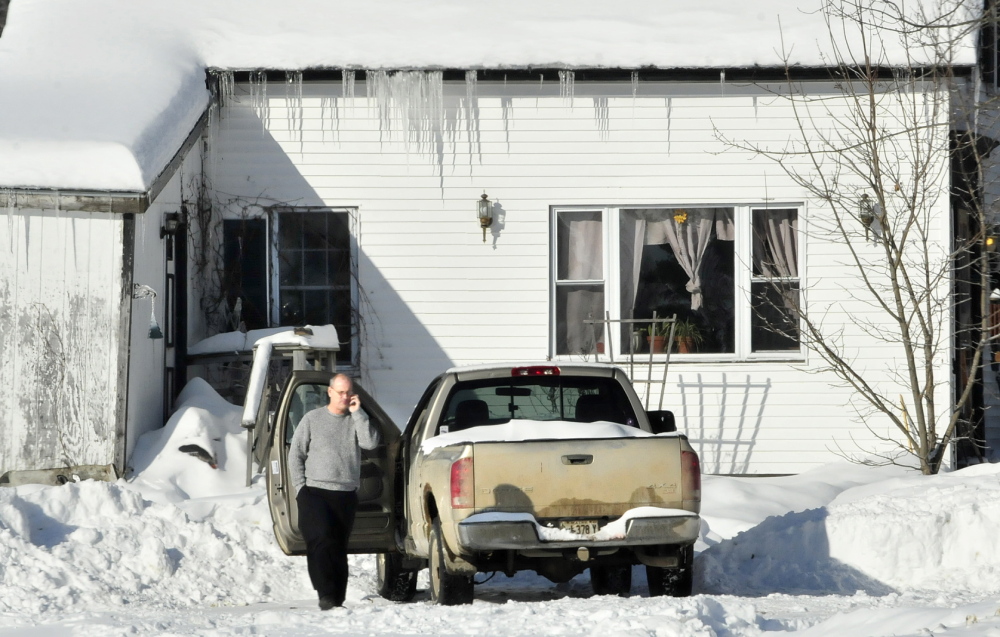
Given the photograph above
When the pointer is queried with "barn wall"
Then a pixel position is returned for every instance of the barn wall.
(61, 353)
(434, 295)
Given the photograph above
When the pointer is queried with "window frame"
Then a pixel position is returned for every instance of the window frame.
(274, 267)
(743, 279)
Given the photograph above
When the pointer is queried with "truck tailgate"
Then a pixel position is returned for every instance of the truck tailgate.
(589, 478)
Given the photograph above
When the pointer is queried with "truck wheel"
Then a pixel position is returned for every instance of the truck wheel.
(447, 589)
(394, 582)
(611, 580)
(673, 582)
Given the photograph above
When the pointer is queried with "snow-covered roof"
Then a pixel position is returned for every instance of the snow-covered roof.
(99, 95)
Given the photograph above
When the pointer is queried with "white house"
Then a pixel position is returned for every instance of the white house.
(274, 166)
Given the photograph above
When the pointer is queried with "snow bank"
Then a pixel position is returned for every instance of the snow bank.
(914, 533)
(95, 545)
(203, 420)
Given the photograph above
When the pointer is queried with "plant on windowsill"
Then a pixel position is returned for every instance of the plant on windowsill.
(658, 332)
(688, 336)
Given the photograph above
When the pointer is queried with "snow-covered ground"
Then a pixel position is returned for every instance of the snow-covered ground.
(185, 549)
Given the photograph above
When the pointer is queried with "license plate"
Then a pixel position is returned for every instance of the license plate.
(580, 527)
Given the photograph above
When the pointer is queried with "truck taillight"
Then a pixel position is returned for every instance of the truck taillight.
(690, 475)
(535, 370)
(463, 484)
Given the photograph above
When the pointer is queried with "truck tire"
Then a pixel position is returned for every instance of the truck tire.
(447, 589)
(394, 582)
(611, 580)
(673, 582)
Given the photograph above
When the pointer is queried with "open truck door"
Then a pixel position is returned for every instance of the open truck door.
(374, 524)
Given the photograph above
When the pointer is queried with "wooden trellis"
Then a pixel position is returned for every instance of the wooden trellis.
(634, 358)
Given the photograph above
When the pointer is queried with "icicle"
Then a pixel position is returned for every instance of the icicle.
(258, 98)
(293, 104)
(669, 109)
(329, 104)
(347, 84)
(471, 78)
(506, 113)
(635, 90)
(377, 90)
(601, 115)
(11, 204)
(566, 79)
(415, 98)
(472, 112)
(226, 86)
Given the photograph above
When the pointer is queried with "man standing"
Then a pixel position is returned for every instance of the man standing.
(325, 465)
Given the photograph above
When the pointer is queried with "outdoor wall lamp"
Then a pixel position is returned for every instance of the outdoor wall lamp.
(866, 213)
(485, 212)
(171, 223)
(140, 291)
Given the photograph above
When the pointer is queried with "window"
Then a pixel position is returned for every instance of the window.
(307, 279)
(245, 272)
(774, 282)
(732, 273)
(495, 401)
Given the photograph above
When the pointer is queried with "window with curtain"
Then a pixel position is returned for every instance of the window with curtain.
(730, 273)
(679, 261)
(579, 280)
(774, 285)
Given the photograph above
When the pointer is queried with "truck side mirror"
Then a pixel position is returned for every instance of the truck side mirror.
(662, 422)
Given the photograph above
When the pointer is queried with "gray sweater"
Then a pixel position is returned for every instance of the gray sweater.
(326, 449)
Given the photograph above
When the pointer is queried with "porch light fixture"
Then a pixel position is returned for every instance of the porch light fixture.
(171, 223)
(866, 213)
(485, 212)
(140, 291)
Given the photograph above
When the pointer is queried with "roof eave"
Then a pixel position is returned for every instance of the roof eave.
(106, 201)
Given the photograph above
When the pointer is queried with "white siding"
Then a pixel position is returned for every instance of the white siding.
(60, 313)
(435, 295)
(147, 356)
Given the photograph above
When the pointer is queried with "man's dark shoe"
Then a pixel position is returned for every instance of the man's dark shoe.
(327, 602)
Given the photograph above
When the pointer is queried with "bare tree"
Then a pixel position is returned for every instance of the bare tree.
(891, 151)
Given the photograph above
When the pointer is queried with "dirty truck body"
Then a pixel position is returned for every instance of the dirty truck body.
(555, 469)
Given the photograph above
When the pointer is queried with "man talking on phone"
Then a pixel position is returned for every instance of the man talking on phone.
(325, 465)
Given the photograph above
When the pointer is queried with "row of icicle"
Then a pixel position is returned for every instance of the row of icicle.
(408, 101)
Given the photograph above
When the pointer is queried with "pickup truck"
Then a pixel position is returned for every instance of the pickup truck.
(551, 468)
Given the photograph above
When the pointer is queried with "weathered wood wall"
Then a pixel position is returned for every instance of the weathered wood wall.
(62, 353)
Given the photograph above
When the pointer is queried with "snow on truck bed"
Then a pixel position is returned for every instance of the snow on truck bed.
(520, 430)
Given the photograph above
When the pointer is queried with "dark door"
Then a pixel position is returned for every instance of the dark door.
(374, 526)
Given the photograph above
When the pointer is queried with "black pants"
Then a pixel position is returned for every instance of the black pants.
(326, 519)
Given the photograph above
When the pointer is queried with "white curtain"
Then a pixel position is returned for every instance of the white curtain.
(775, 248)
(687, 232)
(580, 259)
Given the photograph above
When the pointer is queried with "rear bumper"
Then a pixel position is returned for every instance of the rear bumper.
(523, 534)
